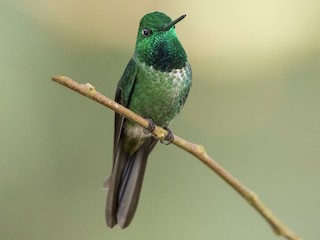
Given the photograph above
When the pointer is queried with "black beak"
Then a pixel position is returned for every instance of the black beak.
(174, 22)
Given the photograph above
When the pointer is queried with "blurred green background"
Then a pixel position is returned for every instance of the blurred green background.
(254, 104)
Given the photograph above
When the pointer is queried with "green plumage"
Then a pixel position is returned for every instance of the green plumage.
(159, 95)
(155, 85)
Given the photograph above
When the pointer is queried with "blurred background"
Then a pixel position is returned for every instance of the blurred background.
(254, 105)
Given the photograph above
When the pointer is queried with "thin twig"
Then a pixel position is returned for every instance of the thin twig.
(196, 150)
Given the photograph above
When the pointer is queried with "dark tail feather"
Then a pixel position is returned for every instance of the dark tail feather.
(125, 184)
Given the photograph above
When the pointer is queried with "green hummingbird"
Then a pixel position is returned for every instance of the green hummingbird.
(155, 85)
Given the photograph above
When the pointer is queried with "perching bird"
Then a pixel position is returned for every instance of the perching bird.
(155, 85)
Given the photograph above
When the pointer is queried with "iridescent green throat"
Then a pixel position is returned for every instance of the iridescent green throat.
(162, 50)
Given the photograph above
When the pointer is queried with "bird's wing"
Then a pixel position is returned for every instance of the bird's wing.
(123, 94)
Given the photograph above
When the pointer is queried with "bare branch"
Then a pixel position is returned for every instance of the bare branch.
(196, 150)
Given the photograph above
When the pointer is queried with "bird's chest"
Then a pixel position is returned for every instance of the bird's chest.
(160, 95)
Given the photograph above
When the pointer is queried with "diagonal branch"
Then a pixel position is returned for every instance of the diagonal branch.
(196, 150)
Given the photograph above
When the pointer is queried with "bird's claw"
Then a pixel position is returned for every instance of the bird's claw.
(169, 138)
(150, 127)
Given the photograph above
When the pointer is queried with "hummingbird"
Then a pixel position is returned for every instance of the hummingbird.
(155, 85)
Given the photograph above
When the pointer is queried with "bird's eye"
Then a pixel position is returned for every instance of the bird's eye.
(146, 32)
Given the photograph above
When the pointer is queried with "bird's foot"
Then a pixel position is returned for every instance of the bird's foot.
(169, 138)
(150, 127)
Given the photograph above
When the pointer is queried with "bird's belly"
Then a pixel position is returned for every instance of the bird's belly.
(160, 95)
